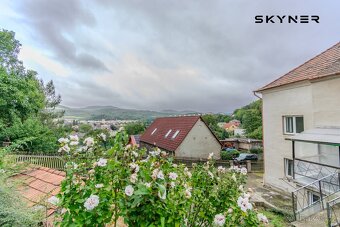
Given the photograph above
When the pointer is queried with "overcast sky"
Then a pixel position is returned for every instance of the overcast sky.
(185, 55)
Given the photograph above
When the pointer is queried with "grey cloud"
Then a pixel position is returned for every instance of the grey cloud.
(55, 21)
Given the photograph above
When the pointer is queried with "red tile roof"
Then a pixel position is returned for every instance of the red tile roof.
(325, 64)
(183, 124)
(38, 184)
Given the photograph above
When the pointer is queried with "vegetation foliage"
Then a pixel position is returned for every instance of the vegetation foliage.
(27, 105)
(147, 189)
(251, 119)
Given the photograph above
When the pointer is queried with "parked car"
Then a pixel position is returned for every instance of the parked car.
(246, 156)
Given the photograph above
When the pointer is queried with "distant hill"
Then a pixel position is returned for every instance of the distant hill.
(112, 112)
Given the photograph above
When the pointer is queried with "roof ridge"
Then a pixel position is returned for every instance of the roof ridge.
(264, 87)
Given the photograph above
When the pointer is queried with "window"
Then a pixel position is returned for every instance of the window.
(153, 131)
(175, 134)
(313, 198)
(293, 124)
(288, 167)
(167, 134)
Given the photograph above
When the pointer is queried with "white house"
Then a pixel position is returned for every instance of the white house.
(183, 137)
(301, 124)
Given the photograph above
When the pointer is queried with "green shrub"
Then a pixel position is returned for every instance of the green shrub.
(258, 150)
(106, 182)
(14, 212)
(229, 155)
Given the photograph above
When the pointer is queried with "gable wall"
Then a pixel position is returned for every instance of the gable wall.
(199, 143)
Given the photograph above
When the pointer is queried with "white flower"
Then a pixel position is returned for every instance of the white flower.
(148, 185)
(219, 220)
(127, 147)
(134, 153)
(89, 141)
(74, 138)
(99, 185)
(188, 174)
(53, 200)
(2, 171)
(65, 148)
(133, 178)
(234, 177)
(210, 156)
(244, 204)
(262, 218)
(121, 129)
(187, 194)
(162, 195)
(91, 202)
(75, 166)
(211, 174)
(173, 175)
(134, 167)
(234, 168)
(174, 165)
(63, 140)
(113, 133)
(102, 162)
(172, 184)
(230, 210)
(163, 154)
(102, 136)
(129, 190)
(155, 153)
(240, 188)
(160, 175)
(154, 174)
(221, 169)
(74, 143)
(243, 171)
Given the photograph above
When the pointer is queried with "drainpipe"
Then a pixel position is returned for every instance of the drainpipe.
(256, 95)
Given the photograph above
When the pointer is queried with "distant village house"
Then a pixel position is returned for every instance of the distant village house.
(183, 137)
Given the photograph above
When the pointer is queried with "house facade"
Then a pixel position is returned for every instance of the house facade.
(183, 137)
(301, 131)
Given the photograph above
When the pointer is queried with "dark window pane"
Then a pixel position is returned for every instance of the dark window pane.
(289, 124)
(299, 124)
(290, 168)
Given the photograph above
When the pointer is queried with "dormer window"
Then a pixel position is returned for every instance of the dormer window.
(175, 134)
(153, 131)
(167, 134)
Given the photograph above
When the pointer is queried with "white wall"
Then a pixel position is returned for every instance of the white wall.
(318, 102)
(283, 101)
(199, 143)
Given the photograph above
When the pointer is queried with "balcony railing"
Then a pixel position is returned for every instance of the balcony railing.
(323, 187)
(307, 171)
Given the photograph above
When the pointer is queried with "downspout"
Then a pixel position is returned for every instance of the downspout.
(256, 95)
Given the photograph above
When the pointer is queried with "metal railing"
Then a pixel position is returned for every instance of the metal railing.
(333, 211)
(324, 187)
(49, 161)
(313, 170)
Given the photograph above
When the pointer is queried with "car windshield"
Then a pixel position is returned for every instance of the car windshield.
(243, 155)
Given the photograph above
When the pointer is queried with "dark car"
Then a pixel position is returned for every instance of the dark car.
(246, 156)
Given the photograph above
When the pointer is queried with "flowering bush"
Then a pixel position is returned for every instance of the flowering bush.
(107, 179)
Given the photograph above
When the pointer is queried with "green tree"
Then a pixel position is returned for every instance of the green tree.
(27, 105)
(251, 119)
(135, 128)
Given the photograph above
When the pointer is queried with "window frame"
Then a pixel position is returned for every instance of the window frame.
(175, 134)
(293, 117)
(168, 133)
(153, 132)
(310, 197)
(286, 167)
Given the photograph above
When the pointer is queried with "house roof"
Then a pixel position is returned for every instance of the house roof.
(38, 184)
(156, 132)
(325, 64)
(134, 140)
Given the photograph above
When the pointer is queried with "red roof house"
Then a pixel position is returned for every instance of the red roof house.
(323, 65)
(184, 136)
